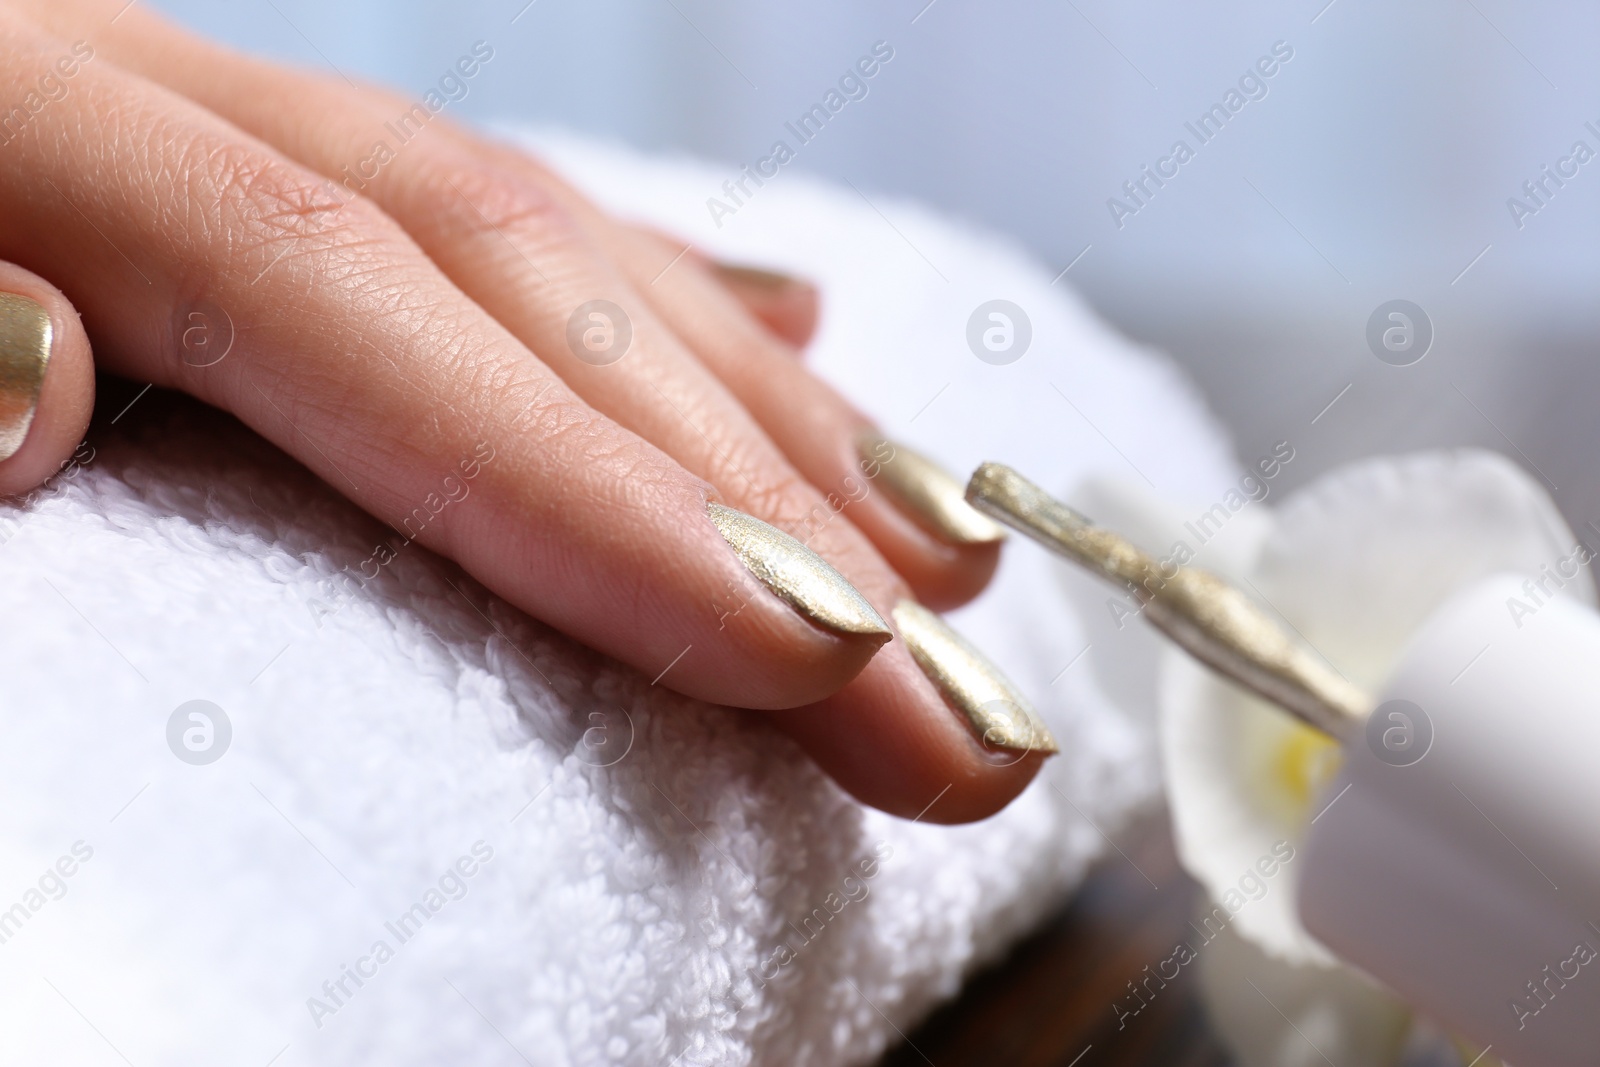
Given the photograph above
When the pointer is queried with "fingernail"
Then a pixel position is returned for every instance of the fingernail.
(933, 497)
(803, 579)
(756, 278)
(24, 353)
(997, 712)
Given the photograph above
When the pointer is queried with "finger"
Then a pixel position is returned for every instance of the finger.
(914, 511)
(494, 235)
(353, 352)
(786, 305)
(907, 762)
(46, 380)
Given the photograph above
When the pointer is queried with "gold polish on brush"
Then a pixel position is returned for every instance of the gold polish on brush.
(1208, 618)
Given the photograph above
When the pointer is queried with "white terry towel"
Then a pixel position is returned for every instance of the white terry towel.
(561, 863)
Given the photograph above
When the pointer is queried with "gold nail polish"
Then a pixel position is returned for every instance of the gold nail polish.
(24, 353)
(799, 576)
(931, 495)
(756, 278)
(998, 713)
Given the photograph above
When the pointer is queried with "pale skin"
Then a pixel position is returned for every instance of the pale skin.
(380, 338)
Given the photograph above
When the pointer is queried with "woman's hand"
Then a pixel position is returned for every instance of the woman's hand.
(391, 316)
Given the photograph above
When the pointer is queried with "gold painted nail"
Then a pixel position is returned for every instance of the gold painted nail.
(931, 495)
(24, 353)
(803, 579)
(756, 278)
(998, 713)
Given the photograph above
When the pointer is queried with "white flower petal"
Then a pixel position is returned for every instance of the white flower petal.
(1276, 1014)
(1213, 743)
(1355, 562)
(1360, 557)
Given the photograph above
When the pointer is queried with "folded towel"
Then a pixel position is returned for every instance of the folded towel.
(405, 824)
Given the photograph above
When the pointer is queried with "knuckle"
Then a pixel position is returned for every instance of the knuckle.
(486, 201)
(255, 209)
(245, 229)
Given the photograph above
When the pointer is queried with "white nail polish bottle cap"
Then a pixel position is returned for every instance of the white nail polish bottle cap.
(1459, 862)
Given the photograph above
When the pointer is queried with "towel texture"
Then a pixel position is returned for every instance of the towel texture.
(433, 831)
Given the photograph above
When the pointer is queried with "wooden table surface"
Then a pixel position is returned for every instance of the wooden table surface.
(1049, 1003)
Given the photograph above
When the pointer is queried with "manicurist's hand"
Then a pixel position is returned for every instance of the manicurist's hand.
(665, 480)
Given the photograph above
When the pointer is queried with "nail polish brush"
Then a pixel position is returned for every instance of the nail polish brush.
(1456, 858)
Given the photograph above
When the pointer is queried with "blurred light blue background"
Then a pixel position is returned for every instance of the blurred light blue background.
(1377, 166)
